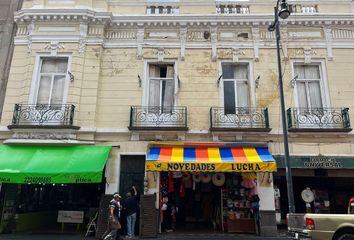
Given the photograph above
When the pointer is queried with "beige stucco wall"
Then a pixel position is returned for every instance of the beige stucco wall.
(106, 82)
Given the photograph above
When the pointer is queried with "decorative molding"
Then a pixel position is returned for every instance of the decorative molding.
(91, 16)
(139, 40)
(112, 34)
(328, 34)
(256, 36)
(236, 53)
(22, 31)
(160, 54)
(43, 135)
(162, 34)
(214, 40)
(308, 52)
(284, 42)
(30, 29)
(83, 29)
(54, 47)
(198, 35)
(183, 38)
(342, 34)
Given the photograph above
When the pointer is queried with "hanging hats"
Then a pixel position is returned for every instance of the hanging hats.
(218, 179)
(205, 178)
(196, 177)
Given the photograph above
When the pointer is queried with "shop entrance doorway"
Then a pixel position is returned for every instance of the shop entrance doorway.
(204, 202)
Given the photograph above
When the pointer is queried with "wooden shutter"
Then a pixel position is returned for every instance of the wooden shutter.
(102, 221)
(148, 216)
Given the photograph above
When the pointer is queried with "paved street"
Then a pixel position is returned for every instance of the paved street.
(161, 237)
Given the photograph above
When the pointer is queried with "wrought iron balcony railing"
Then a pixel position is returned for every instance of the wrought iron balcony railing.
(159, 118)
(251, 119)
(43, 115)
(318, 119)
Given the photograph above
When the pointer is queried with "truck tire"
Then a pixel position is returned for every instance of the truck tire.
(346, 236)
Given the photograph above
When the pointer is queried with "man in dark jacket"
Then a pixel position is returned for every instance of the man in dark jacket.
(131, 207)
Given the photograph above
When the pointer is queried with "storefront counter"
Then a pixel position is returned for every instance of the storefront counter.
(241, 225)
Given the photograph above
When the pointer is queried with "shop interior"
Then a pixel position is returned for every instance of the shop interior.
(331, 194)
(208, 202)
(36, 206)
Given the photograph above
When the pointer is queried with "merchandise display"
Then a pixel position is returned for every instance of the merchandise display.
(238, 204)
(223, 201)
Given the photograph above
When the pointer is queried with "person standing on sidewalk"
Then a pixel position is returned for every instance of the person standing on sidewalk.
(131, 207)
(114, 217)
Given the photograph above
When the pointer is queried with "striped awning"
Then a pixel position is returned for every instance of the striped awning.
(210, 159)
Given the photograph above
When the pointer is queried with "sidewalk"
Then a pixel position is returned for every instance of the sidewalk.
(216, 236)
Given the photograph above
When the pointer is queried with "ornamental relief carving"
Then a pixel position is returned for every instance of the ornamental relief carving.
(54, 47)
(307, 52)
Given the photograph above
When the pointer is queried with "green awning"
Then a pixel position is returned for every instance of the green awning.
(52, 164)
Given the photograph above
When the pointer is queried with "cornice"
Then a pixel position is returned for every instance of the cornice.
(90, 16)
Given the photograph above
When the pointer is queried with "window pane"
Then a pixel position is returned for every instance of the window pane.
(242, 94)
(170, 72)
(154, 71)
(227, 71)
(54, 65)
(241, 72)
(58, 90)
(312, 72)
(44, 90)
(229, 97)
(167, 94)
(299, 71)
(154, 93)
(315, 94)
(301, 91)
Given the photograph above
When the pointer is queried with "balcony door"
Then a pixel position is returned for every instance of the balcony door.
(161, 87)
(50, 92)
(236, 88)
(236, 100)
(310, 99)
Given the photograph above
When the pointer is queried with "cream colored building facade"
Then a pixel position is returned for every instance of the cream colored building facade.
(109, 47)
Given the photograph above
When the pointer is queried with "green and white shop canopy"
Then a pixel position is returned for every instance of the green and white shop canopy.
(52, 164)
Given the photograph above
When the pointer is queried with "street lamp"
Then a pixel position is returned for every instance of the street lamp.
(283, 12)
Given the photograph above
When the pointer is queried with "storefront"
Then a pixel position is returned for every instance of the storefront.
(330, 180)
(208, 186)
(39, 181)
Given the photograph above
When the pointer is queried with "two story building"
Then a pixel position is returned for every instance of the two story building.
(179, 98)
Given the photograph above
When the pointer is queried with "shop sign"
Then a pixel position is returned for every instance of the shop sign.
(323, 162)
(70, 216)
(317, 162)
(50, 178)
(211, 167)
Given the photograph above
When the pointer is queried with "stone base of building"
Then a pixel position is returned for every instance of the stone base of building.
(268, 226)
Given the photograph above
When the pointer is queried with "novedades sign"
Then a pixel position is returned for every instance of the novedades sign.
(211, 167)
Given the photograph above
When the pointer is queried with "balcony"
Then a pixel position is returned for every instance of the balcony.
(241, 119)
(303, 9)
(43, 116)
(318, 120)
(162, 10)
(158, 118)
(232, 9)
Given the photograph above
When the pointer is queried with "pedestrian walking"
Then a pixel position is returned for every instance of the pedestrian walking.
(114, 218)
(131, 207)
